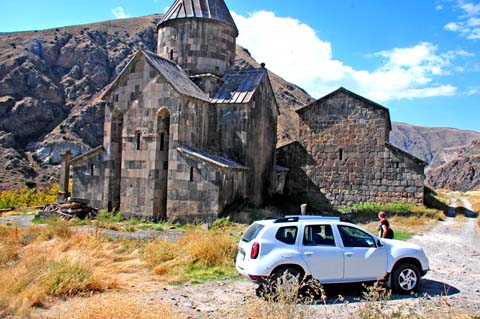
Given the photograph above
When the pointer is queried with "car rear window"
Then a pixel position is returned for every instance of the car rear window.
(252, 232)
(287, 235)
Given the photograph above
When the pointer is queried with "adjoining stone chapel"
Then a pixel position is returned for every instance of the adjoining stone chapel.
(186, 135)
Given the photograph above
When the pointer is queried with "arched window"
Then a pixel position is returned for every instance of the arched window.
(138, 139)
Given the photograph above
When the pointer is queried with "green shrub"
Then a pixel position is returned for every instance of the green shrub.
(106, 216)
(27, 197)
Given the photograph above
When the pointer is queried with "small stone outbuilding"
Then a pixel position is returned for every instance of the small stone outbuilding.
(343, 155)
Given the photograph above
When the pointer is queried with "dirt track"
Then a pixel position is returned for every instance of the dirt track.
(453, 248)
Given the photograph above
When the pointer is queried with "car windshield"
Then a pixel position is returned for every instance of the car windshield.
(252, 232)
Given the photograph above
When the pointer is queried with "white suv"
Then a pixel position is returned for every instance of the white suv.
(330, 250)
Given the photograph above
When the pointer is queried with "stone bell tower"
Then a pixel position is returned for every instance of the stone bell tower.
(200, 36)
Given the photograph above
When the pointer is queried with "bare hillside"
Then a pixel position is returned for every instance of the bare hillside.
(49, 84)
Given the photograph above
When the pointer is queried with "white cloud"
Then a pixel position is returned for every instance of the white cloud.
(119, 13)
(473, 91)
(453, 26)
(470, 9)
(294, 51)
(469, 24)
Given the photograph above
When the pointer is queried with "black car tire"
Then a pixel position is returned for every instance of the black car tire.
(405, 278)
(285, 284)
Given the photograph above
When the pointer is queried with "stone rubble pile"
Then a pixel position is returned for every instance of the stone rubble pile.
(69, 210)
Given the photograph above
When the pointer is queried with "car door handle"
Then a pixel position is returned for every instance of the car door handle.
(349, 254)
(308, 253)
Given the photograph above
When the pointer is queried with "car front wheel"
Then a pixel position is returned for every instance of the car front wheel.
(406, 278)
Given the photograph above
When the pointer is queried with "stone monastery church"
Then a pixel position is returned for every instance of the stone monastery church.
(186, 135)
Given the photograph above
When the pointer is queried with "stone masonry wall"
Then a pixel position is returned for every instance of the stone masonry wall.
(88, 179)
(343, 156)
(261, 141)
(200, 46)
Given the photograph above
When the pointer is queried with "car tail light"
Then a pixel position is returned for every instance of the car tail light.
(255, 278)
(255, 251)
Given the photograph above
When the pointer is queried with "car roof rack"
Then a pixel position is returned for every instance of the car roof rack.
(296, 218)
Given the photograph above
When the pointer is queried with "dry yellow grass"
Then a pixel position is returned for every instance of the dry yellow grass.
(197, 250)
(409, 224)
(38, 264)
(117, 306)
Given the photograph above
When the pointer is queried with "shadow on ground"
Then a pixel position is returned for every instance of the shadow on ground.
(354, 293)
(461, 211)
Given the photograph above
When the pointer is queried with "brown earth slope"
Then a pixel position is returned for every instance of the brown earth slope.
(453, 155)
(49, 82)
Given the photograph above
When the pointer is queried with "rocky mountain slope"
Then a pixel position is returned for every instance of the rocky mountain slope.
(458, 168)
(428, 143)
(49, 84)
(50, 81)
(453, 155)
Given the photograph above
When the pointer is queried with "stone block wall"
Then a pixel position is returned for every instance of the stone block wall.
(203, 191)
(343, 156)
(200, 46)
(261, 142)
(88, 175)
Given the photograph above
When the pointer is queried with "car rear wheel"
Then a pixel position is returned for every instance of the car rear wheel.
(284, 284)
(406, 278)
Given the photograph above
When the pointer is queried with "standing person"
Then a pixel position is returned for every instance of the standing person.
(383, 225)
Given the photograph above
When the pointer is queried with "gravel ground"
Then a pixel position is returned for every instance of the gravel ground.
(453, 248)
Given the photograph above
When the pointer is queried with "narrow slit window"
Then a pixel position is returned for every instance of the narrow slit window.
(171, 54)
(138, 138)
(191, 174)
(92, 169)
(340, 154)
(162, 142)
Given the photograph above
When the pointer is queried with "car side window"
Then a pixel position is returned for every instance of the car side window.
(287, 235)
(318, 235)
(353, 237)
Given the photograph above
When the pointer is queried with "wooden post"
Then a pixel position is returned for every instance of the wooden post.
(63, 194)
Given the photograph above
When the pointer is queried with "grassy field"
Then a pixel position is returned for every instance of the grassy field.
(41, 265)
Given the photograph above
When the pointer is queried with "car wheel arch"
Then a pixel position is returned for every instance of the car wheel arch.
(406, 260)
(287, 266)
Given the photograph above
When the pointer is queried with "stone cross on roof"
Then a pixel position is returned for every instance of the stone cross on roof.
(208, 9)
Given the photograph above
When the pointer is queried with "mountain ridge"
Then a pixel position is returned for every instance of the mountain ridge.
(50, 80)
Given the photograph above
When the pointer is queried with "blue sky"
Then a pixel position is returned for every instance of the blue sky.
(419, 58)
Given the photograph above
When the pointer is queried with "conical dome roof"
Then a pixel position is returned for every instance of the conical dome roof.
(207, 9)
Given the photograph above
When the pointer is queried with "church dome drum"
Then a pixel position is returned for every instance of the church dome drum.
(199, 35)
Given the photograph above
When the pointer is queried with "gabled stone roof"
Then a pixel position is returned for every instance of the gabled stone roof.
(354, 95)
(212, 158)
(88, 155)
(176, 76)
(172, 72)
(206, 9)
(405, 153)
